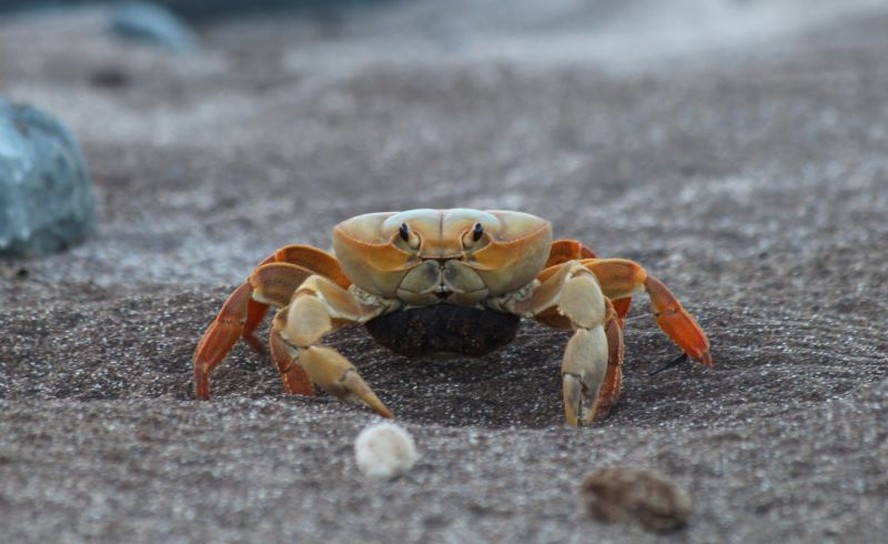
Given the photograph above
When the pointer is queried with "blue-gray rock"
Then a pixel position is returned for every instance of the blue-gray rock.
(203, 10)
(154, 24)
(46, 196)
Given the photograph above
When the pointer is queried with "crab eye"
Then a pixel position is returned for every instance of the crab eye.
(477, 232)
(410, 238)
(471, 238)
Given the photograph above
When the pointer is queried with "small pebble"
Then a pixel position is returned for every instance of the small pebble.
(385, 450)
(631, 494)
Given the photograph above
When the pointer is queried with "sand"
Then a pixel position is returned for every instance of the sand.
(736, 150)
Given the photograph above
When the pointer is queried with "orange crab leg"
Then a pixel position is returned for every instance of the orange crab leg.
(621, 307)
(220, 337)
(295, 379)
(255, 313)
(613, 379)
(272, 282)
(562, 251)
(677, 322)
(314, 259)
(620, 278)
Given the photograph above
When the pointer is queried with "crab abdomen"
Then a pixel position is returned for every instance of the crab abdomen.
(444, 329)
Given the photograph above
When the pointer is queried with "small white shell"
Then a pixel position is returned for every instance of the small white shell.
(385, 450)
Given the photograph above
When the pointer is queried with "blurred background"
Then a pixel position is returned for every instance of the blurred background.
(420, 103)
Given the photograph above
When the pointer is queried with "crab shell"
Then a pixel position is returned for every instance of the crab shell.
(424, 256)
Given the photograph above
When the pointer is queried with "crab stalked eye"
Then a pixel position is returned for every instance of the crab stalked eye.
(477, 232)
(410, 238)
(471, 238)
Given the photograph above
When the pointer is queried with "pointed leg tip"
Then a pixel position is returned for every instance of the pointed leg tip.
(373, 402)
(354, 386)
(706, 359)
(201, 393)
(603, 411)
(201, 385)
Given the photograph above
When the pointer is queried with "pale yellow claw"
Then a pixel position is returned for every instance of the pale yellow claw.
(580, 404)
(316, 309)
(570, 297)
(584, 368)
(329, 369)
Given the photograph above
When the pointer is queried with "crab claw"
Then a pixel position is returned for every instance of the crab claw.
(583, 372)
(579, 401)
(337, 376)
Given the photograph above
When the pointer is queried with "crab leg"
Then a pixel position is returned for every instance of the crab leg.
(562, 251)
(620, 278)
(220, 337)
(272, 283)
(316, 309)
(570, 297)
(295, 379)
(613, 379)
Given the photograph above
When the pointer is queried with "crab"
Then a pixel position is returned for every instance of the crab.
(454, 281)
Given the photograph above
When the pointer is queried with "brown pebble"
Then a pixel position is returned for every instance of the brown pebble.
(633, 494)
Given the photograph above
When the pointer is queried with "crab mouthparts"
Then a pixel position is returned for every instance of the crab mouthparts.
(443, 293)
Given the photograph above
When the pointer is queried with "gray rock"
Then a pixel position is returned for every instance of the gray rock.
(154, 24)
(46, 196)
(207, 10)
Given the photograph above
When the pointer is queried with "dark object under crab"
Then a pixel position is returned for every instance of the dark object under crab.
(444, 329)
